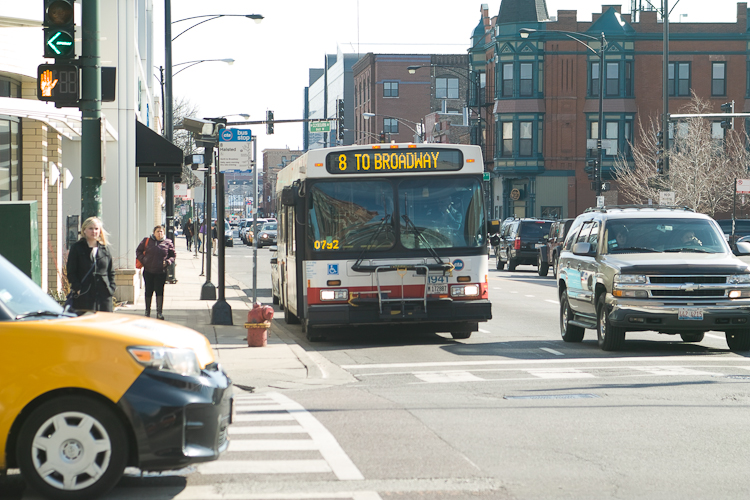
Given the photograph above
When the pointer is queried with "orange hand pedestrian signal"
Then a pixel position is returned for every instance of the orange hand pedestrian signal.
(46, 84)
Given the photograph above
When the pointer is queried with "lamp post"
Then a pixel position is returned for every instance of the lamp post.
(600, 126)
(417, 135)
(193, 63)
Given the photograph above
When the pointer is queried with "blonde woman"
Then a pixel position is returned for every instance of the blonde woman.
(90, 270)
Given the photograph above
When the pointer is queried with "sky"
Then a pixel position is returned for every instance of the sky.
(273, 58)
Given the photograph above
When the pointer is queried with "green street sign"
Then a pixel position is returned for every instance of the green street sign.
(486, 176)
(59, 43)
(320, 127)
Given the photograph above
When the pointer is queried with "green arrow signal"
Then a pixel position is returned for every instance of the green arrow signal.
(62, 40)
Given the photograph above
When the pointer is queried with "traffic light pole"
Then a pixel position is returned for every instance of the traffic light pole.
(91, 112)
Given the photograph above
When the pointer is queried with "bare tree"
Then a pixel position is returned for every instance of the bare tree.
(702, 168)
(183, 108)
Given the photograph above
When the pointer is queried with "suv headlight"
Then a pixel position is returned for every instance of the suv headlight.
(737, 279)
(168, 359)
(630, 279)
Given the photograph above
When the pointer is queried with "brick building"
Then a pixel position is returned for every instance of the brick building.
(273, 161)
(540, 103)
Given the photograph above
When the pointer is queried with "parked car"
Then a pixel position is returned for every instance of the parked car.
(242, 229)
(84, 397)
(228, 237)
(267, 235)
(519, 240)
(741, 228)
(641, 269)
(550, 251)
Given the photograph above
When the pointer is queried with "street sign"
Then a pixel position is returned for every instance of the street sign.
(743, 186)
(486, 176)
(180, 190)
(600, 202)
(320, 127)
(667, 198)
(235, 149)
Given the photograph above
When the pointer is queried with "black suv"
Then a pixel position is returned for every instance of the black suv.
(637, 269)
(550, 251)
(519, 240)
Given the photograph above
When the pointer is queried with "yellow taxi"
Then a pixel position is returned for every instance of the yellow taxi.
(83, 397)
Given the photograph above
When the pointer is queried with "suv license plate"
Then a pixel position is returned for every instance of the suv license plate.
(690, 314)
(437, 289)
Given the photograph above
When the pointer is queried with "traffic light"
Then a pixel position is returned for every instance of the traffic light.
(58, 83)
(340, 106)
(59, 30)
(269, 122)
(660, 153)
(726, 123)
(382, 137)
(591, 169)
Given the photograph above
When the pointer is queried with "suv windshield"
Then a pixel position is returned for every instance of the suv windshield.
(662, 235)
(19, 295)
(534, 230)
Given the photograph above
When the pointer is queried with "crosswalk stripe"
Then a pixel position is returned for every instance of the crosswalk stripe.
(264, 467)
(271, 444)
(266, 429)
(262, 417)
(558, 373)
(671, 370)
(443, 377)
(216, 493)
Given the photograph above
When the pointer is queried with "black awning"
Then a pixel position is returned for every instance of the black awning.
(154, 155)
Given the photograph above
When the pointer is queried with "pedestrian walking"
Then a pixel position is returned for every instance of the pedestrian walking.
(214, 237)
(201, 236)
(155, 253)
(90, 269)
(188, 232)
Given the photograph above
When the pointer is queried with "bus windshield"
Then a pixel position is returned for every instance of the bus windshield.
(441, 213)
(361, 215)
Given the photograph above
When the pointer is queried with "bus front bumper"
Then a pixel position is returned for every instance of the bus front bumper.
(439, 311)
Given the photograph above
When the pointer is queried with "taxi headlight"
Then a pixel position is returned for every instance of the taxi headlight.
(736, 279)
(630, 279)
(264, 235)
(337, 294)
(180, 361)
(464, 290)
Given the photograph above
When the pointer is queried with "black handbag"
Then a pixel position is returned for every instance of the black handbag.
(70, 298)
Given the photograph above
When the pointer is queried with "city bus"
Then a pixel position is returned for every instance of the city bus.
(383, 234)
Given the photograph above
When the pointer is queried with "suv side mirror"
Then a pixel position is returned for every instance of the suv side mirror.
(743, 247)
(584, 248)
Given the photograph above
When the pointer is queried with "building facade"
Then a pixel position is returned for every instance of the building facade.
(544, 94)
(273, 161)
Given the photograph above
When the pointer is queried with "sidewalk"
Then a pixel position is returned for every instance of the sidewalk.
(282, 364)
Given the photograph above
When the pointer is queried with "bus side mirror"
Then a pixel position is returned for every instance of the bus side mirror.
(287, 197)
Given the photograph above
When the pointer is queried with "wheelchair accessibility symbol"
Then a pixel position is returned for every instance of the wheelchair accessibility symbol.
(333, 268)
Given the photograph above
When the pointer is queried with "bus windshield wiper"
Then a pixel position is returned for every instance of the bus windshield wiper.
(421, 237)
(375, 235)
(33, 314)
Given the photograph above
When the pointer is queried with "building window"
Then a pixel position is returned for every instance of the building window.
(719, 78)
(526, 79)
(612, 131)
(594, 80)
(508, 80)
(593, 130)
(626, 146)
(551, 212)
(10, 185)
(682, 83)
(390, 126)
(613, 79)
(524, 139)
(507, 138)
(10, 88)
(390, 89)
(446, 88)
(628, 78)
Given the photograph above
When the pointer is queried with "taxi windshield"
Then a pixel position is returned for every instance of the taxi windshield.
(20, 296)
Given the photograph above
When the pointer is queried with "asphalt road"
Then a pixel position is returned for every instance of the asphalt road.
(512, 412)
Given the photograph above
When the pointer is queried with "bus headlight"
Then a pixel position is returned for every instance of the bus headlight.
(465, 291)
(338, 294)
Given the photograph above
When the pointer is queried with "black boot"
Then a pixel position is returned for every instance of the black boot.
(159, 306)
(148, 306)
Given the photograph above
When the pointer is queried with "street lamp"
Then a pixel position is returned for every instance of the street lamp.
(193, 63)
(602, 45)
(417, 135)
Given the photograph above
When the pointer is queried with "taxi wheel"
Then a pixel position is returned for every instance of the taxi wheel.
(71, 448)
(738, 341)
(570, 333)
(610, 338)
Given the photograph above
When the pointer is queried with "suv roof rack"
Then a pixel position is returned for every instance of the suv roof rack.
(637, 207)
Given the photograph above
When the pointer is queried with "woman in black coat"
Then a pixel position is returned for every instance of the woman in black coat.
(90, 269)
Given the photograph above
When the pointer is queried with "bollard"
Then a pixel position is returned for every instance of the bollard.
(258, 322)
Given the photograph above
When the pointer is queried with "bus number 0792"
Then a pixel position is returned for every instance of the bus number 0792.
(326, 245)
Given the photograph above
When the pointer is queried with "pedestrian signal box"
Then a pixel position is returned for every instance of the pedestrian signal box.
(58, 83)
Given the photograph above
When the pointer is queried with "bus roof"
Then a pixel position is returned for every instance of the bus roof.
(343, 161)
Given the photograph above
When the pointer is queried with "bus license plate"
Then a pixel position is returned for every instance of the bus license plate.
(690, 314)
(437, 289)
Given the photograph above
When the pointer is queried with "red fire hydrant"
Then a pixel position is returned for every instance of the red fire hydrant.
(258, 322)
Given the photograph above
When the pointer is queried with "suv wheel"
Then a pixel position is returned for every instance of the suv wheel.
(570, 333)
(692, 337)
(512, 265)
(738, 340)
(500, 263)
(610, 338)
(542, 268)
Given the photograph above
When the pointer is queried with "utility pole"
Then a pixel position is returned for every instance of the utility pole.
(91, 112)
(665, 84)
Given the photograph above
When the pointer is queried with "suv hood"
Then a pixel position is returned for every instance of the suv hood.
(676, 263)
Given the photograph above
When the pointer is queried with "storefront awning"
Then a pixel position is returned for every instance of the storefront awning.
(154, 155)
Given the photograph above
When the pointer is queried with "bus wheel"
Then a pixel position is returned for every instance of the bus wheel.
(460, 335)
(314, 334)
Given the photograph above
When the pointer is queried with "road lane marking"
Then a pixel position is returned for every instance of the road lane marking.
(671, 370)
(263, 417)
(552, 351)
(551, 301)
(483, 331)
(447, 377)
(213, 493)
(264, 467)
(266, 429)
(529, 296)
(272, 445)
(558, 373)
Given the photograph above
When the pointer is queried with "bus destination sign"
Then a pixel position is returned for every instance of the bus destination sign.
(384, 161)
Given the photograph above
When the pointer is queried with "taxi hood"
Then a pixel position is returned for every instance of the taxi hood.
(138, 331)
